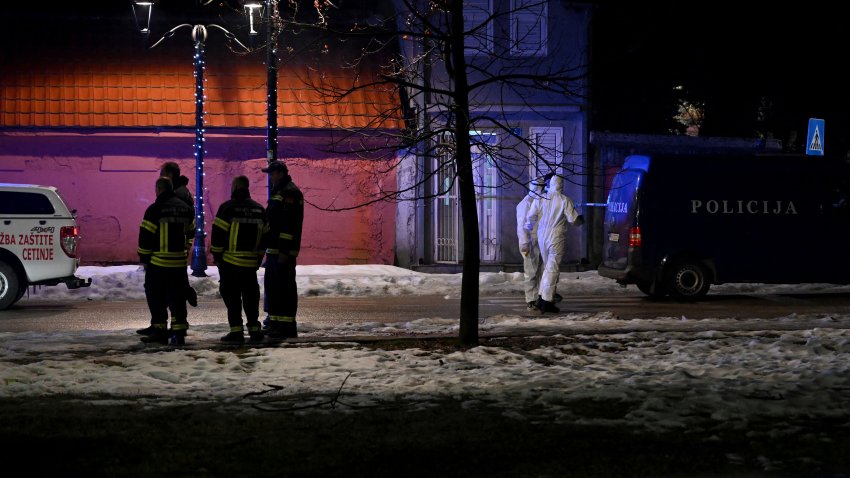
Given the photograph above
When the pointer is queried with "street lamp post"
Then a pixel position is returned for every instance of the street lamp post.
(273, 26)
(142, 11)
(268, 10)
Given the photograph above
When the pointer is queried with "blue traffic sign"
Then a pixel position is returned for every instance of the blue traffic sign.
(814, 138)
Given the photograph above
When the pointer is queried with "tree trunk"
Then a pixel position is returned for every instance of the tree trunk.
(466, 184)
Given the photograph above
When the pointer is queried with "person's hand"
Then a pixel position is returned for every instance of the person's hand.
(524, 249)
(579, 220)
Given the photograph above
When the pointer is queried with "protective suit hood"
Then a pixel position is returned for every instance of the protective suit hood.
(537, 186)
(527, 236)
(556, 184)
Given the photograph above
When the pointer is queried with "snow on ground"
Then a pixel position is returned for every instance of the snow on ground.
(672, 372)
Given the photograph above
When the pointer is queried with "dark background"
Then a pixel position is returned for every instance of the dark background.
(759, 69)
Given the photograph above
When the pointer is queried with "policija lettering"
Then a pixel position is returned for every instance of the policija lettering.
(30, 253)
(741, 206)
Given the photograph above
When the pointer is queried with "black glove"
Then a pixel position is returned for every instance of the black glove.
(192, 297)
(579, 220)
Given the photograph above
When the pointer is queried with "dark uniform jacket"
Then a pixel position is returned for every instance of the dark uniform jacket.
(166, 232)
(238, 230)
(286, 215)
(182, 192)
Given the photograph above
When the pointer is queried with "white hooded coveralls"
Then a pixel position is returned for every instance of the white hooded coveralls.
(551, 214)
(528, 240)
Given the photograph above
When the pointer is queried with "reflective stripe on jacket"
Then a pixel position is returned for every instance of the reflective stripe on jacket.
(238, 231)
(166, 232)
(286, 215)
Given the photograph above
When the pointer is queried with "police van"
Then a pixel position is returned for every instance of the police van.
(676, 224)
(39, 239)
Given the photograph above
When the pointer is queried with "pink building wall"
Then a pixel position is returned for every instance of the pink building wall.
(109, 179)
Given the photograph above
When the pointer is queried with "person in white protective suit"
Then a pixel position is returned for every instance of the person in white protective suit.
(528, 246)
(551, 214)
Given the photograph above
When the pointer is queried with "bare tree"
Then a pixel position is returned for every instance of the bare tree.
(456, 67)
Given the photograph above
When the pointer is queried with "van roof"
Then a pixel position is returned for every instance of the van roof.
(642, 161)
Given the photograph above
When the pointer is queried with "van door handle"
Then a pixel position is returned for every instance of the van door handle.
(42, 222)
(7, 222)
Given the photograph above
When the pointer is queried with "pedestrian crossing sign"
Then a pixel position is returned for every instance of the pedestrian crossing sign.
(814, 139)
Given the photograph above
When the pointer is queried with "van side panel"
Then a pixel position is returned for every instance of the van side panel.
(770, 219)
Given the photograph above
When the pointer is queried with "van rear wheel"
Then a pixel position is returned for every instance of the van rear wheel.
(687, 280)
(646, 288)
(9, 286)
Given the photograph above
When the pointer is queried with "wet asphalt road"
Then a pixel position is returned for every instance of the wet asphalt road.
(47, 316)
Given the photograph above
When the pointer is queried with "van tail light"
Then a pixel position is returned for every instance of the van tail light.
(69, 237)
(634, 237)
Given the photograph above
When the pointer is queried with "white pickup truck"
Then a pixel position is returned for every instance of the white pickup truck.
(38, 241)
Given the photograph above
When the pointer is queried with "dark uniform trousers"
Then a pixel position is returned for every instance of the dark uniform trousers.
(240, 284)
(281, 292)
(165, 289)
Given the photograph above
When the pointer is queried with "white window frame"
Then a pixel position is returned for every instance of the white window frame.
(476, 12)
(548, 142)
(528, 16)
(447, 235)
(486, 195)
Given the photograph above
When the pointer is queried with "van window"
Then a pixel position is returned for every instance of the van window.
(621, 199)
(16, 202)
(620, 216)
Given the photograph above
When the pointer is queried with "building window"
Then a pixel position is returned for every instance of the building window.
(478, 25)
(547, 155)
(529, 27)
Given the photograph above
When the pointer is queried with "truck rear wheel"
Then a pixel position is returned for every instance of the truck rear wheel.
(9, 286)
(687, 280)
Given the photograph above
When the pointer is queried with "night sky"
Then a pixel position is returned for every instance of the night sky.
(759, 69)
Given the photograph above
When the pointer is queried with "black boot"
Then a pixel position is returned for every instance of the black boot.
(179, 329)
(282, 330)
(255, 332)
(157, 336)
(147, 330)
(178, 337)
(546, 306)
(256, 337)
(557, 298)
(234, 338)
(532, 307)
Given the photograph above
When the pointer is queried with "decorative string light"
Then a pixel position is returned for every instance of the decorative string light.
(199, 256)
(142, 11)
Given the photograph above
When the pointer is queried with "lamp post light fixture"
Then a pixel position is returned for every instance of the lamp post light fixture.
(142, 11)
(252, 8)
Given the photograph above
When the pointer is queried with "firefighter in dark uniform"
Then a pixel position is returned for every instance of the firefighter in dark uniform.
(171, 170)
(237, 248)
(283, 241)
(164, 234)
